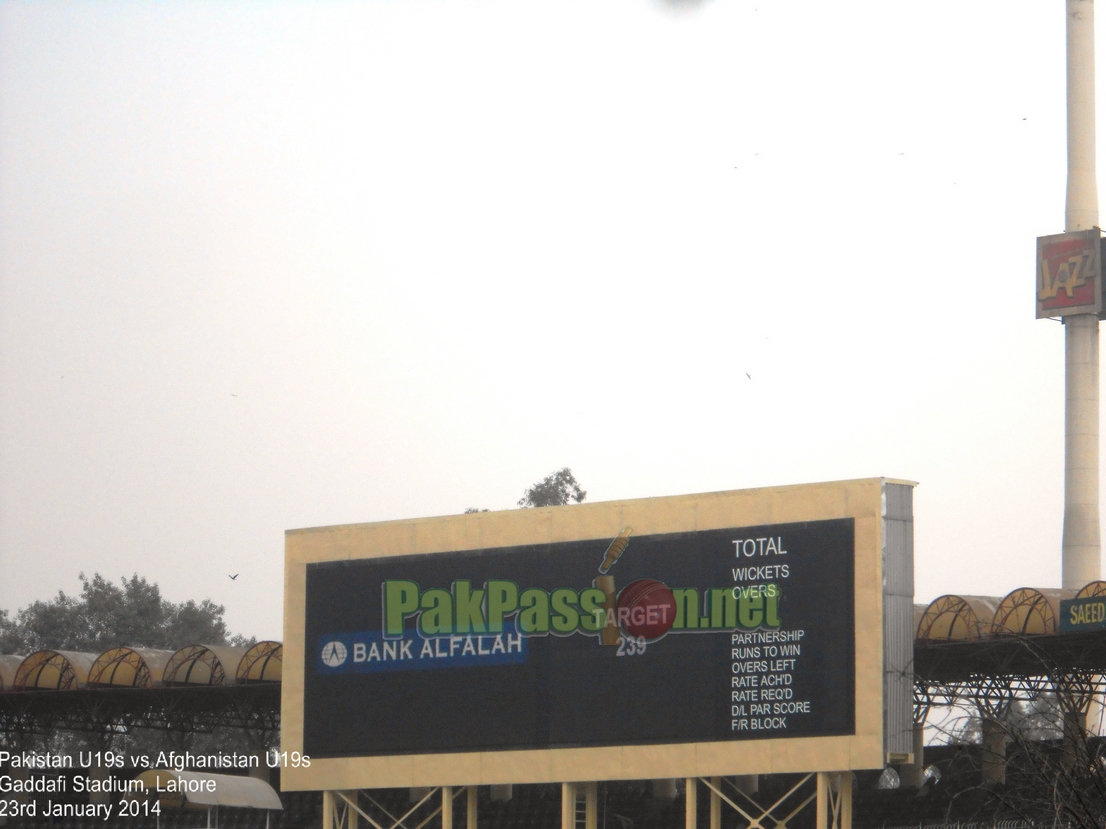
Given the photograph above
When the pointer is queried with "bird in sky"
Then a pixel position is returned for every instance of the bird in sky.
(747, 374)
(232, 578)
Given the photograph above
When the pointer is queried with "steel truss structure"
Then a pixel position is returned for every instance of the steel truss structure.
(993, 673)
(254, 708)
(1062, 673)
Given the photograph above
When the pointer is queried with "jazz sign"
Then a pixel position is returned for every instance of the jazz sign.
(1069, 274)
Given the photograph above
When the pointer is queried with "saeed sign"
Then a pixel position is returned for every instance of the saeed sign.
(730, 634)
(1083, 614)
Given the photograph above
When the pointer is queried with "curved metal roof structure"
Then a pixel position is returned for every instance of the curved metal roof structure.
(261, 663)
(204, 665)
(1030, 611)
(123, 667)
(199, 687)
(957, 618)
(1092, 590)
(128, 668)
(1026, 611)
(49, 670)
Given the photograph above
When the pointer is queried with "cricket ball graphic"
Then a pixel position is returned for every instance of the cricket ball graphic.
(646, 608)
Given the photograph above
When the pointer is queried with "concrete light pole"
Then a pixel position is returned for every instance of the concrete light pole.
(1082, 543)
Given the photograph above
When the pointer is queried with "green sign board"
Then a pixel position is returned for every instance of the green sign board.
(1083, 614)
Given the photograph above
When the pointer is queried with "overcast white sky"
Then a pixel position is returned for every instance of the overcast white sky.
(272, 265)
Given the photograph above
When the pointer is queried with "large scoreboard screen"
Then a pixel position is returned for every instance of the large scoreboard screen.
(753, 631)
(731, 634)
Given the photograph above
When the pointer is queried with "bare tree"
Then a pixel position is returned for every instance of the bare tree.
(1037, 759)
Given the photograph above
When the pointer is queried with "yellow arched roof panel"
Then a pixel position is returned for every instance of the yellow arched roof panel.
(1092, 590)
(129, 668)
(54, 671)
(957, 618)
(1030, 611)
(8, 667)
(204, 665)
(261, 663)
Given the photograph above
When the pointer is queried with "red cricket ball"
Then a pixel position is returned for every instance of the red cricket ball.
(646, 608)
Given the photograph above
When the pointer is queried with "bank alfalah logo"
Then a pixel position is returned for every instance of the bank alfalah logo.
(334, 654)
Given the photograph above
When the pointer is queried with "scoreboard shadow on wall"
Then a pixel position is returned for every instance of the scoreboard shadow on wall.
(746, 632)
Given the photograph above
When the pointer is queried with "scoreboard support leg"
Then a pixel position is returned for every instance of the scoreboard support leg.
(835, 800)
(715, 803)
(591, 805)
(470, 811)
(447, 807)
(691, 805)
(568, 806)
(571, 796)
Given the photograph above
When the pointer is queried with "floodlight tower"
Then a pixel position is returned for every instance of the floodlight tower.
(1082, 543)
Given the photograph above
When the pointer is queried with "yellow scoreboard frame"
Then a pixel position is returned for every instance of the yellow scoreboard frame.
(882, 568)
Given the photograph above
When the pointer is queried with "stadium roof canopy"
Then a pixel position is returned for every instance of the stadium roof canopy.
(199, 790)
